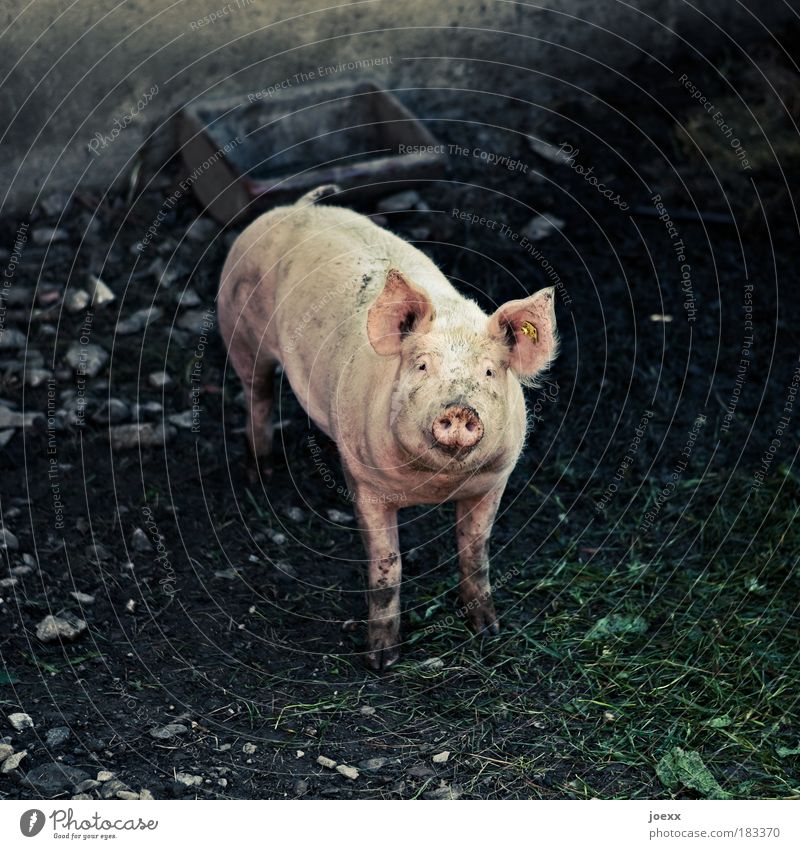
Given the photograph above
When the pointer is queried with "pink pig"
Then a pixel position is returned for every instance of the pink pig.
(418, 387)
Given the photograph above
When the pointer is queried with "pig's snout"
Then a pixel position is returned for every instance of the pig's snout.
(459, 427)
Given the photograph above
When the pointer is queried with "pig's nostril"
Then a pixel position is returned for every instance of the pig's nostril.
(446, 424)
(471, 426)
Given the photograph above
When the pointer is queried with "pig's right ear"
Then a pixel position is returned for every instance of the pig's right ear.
(400, 309)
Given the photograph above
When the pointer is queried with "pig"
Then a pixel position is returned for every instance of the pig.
(418, 387)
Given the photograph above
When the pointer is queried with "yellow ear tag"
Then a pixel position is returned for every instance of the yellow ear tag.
(529, 330)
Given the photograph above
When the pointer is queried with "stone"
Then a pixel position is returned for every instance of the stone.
(400, 202)
(140, 541)
(37, 376)
(46, 235)
(82, 598)
(127, 795)
(249, 748)
(12, 419)
(197, 321)
(146, 795)
(8, 542)
(188, 298)
(339, 516)
(169, 731)
(137, 322)
(111, 789)
(66, 626)
(13, 762)
(142, 434)
(82, 796)
(20, 721)
(101, 294)
(326, 762)
(83, 786)
(53, 779)
(56, 737)
(373, 764)
(184, 420)
(159, 379)
(86, 359)
(76, 300)
(295, 514)
(7, 583)
(112, 411)
(542, 226)
(441, 758)
(11, 339)
(104, 775)
(367, 710)
(202, 230)
(5, 751)
(146, 410)
(188, 780)
(347, 771)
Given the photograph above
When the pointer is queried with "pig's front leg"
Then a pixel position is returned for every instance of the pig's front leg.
(378, 523)
(474, 520)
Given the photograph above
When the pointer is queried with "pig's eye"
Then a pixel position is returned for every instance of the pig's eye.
(489, 372)
(422, 367)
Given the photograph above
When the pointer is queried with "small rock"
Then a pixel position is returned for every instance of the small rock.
(400, 202)
(149, 409)
(140, 541)
(143, 434)
(249, 748)
(77, 300)
(433, 663)
(347, 771)
(188, 780)
(55, 203)
(8, 541)
(159, 379)
(299, 754)
(13, 761)
(37, 376)
(20, 721)
(196, 321)
(300, 787)
(184, 420)
(138, 320)
(276, 536)
(11, 419)
(82, 796)
(104, 775)
(188, 298)
(65, 626)
(373, 764)
(339, 516)
(111, 789)
(127, 795)
(57, 737)
(445, 792)
(7, 583)
(45, 235)
(11, 339)
(83, 786)
(146, 795)
(368, 710)
(101, 294)
(421, 771)
(295, 514)
(5, 751)
(550, 152)
(52, 779)
(167, 732)
(82, 598)
(326, 762)
(112, 411)
(202, 230)
(86, 359)
(441, 758)
(542, 226)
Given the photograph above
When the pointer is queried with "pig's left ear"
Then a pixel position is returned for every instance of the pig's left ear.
(400, 309)
(528, 328)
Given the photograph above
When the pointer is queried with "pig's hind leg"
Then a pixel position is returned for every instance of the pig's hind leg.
(258, 379)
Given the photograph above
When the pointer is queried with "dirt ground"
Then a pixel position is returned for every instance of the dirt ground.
(649, 645)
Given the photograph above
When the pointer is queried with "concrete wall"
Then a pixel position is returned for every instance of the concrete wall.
(75, 71)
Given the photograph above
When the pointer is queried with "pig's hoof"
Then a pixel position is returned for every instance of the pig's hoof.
(483, 621)
(259, 473)
(381, 658)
